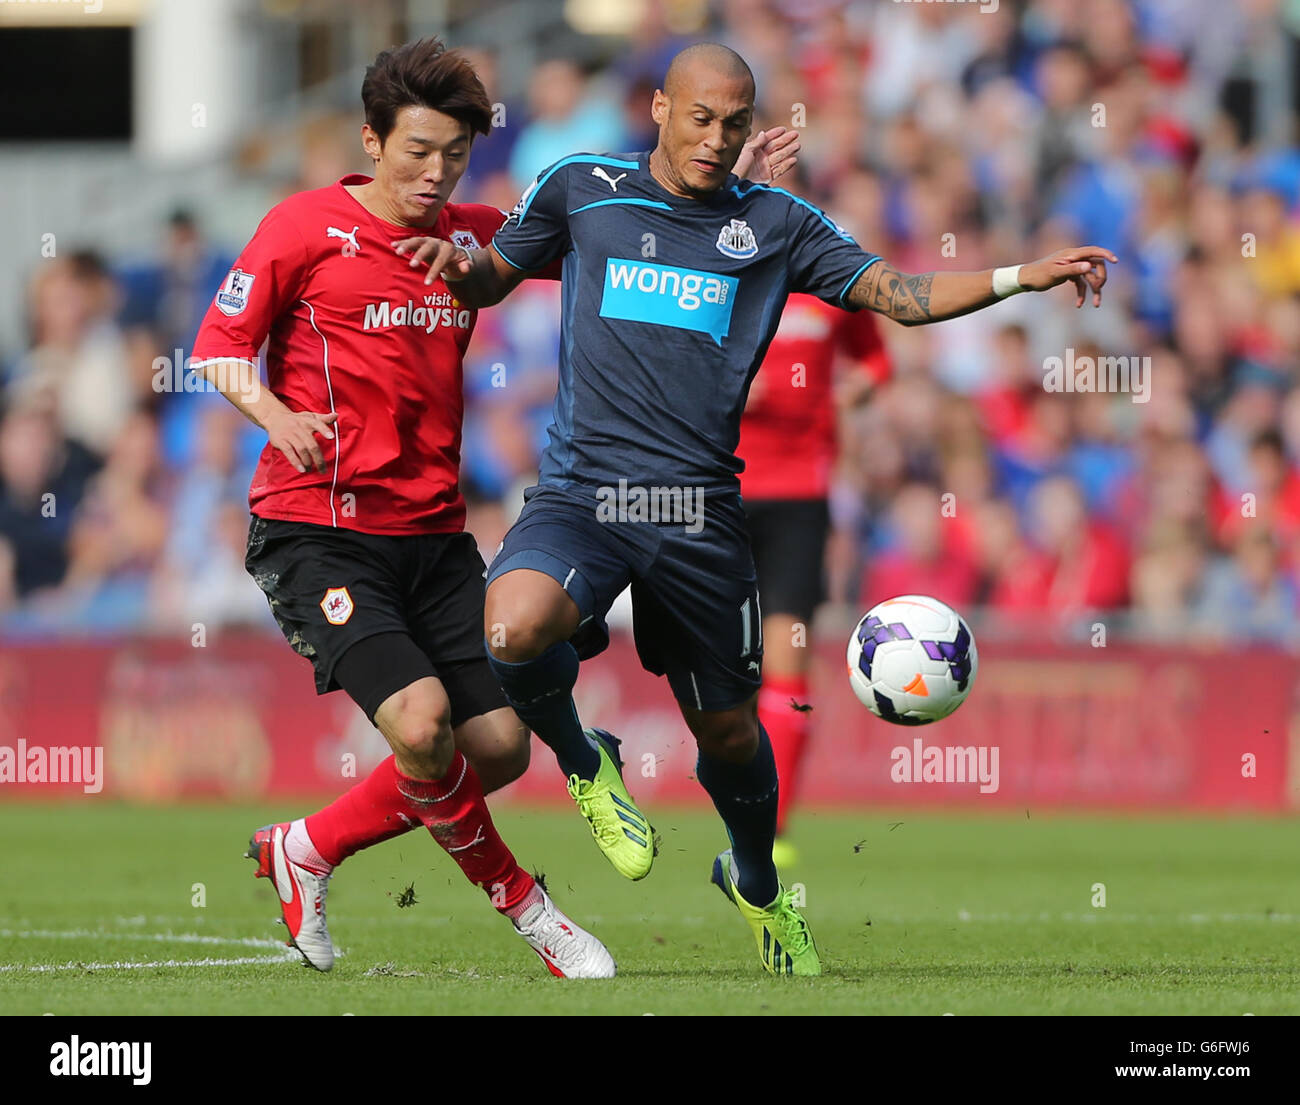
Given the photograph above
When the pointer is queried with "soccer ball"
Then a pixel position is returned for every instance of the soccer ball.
(912, 660)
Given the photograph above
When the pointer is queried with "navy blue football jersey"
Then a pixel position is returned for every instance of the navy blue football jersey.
(669, 305)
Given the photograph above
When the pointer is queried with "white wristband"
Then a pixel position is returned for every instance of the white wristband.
(1006, 281)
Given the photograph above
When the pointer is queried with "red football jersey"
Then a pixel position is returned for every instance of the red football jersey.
(787, 433)
(353, 329)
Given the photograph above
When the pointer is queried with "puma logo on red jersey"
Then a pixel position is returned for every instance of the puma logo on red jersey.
(351, 239)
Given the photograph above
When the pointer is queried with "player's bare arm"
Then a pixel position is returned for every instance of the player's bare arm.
(914, 300)
(291, 432)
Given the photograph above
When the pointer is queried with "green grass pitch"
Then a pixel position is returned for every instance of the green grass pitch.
(914, 913)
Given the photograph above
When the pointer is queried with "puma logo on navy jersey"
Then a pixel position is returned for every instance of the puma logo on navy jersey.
(611, 181)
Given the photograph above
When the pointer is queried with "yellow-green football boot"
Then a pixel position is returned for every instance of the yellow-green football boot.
(785, 945)
(619, 828)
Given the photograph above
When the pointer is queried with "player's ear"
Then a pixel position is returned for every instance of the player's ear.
(370, 142)
(659, 107)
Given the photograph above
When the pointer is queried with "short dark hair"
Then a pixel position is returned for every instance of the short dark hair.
(425, 74)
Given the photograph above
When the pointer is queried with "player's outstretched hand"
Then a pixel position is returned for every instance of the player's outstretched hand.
(1084, 266)
(768, 154)
(294, 434)
(451, 262)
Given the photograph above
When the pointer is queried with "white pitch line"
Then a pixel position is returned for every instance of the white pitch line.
(153, 937)
(126, 966)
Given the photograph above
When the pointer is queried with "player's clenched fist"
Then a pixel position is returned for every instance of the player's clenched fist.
(294, 434)
(1085, 266)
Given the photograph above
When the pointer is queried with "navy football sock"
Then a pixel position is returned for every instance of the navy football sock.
(745, 796)
(541, 692)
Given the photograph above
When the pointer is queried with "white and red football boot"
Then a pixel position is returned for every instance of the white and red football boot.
(567, 950)
(302, 895)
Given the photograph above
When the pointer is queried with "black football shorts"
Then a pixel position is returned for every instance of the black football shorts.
(399, 608)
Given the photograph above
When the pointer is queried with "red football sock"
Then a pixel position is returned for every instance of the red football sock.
(453, 810)
(371, 812)
(787, 728)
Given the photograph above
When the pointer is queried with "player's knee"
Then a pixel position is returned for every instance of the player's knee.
(417, 723)
(526, 616)
(520, 631)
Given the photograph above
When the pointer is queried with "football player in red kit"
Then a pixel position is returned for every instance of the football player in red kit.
(787, 440)
(357, 535)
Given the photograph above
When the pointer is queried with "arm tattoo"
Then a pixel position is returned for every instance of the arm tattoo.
(883, 288)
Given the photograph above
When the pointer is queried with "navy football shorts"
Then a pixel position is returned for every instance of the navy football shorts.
(696, 617)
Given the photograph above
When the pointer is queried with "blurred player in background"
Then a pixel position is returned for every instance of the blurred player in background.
(357, 536)
(822, 359)
(658, 348)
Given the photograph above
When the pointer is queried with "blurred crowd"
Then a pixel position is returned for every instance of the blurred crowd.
(942, 136)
